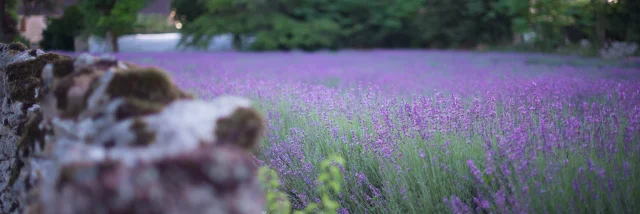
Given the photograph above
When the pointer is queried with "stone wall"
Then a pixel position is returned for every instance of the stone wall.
(99, 135)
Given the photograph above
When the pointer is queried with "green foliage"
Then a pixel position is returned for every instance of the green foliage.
(320, 24)
(462, 23)
(330, 180)
(122, 19)
(152, 23)
(277, 201)
(518, 11)
(117, 17)
(312, 25)
(289, 34)
(623, 21)
(187, 11)
(9, 21)
(221, 16)
(61, 31)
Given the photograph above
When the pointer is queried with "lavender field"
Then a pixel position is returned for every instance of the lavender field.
(438, 131)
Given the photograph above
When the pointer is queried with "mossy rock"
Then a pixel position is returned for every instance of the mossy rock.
(62, 68)
(104, 64)
(144, 137)
(133, 107)
(31, 135)
(242, 128)
(27, 144)
(63, 75)
(142, 87)
(24, 77)
(14, 47)
(148, 84)
(227, 174)
(78, 172)
(70, 107)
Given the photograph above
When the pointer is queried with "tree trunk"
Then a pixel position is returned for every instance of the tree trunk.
(600, 25)
(2, 9)
(237, 41)
(517, 39)
(113, 39)
(23, 23)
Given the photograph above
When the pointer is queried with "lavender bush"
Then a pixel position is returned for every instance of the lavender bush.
(434, 132)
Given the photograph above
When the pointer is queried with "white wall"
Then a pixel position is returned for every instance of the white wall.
(34, 27)
(157, 43)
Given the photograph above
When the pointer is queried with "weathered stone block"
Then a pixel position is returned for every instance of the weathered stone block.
(99, 135)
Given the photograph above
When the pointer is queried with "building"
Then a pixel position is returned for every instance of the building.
(33, 17)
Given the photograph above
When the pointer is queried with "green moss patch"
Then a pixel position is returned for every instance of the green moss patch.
(60, 92)
(62, 68)
(143, 136)
(148, 84)
(24, 77)
(33, 52)
(135, 107)
(242, 128)
(17, 46)
(103, 64)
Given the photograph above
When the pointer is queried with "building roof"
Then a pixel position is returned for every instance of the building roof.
(153, 7)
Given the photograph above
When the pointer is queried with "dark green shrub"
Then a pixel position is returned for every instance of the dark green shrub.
(288, 34)
(9, 21)
(623, 21)
(111, 18)
(61, 31)
(332, 24)
(321, 24)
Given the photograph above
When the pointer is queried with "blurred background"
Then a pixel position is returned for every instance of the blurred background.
(605, 28)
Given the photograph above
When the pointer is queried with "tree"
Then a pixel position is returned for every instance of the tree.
(28, 7)
(9, 15)
(3, 7)
(8, 23)
(61, 31)
(188, 10)
(204, 19)
(111, 18)
(320, 24)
